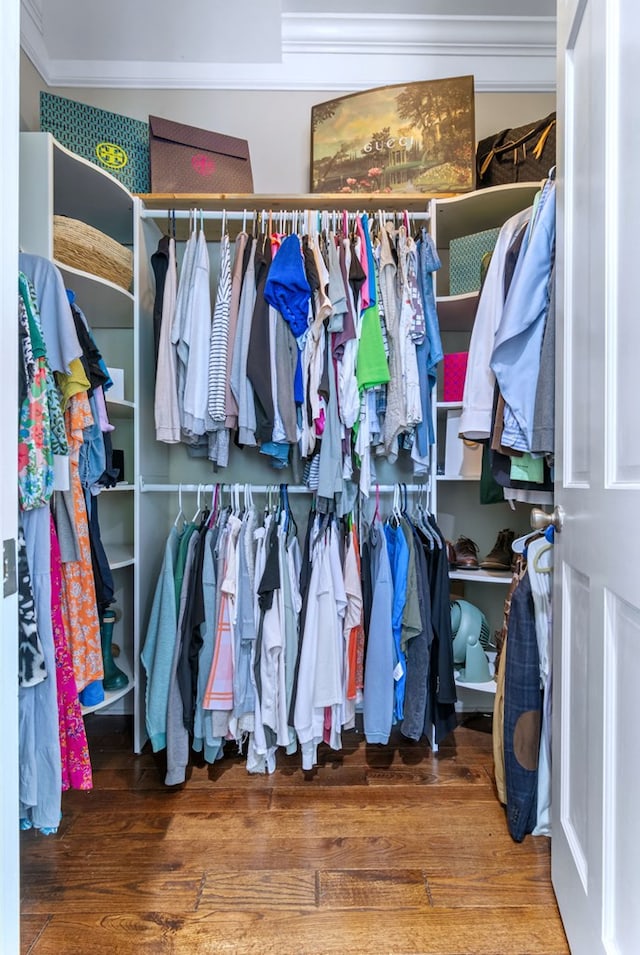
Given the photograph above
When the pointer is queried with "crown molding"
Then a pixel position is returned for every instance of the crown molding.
(417, 34)
(339, 52)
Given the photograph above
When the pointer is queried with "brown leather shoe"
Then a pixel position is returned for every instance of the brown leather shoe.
(466, 554)
(451, 555)
(501, 555)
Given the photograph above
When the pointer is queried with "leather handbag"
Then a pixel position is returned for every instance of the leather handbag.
(523, 154)
(188, 159)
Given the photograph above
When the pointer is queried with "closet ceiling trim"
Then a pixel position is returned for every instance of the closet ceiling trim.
(328, 51)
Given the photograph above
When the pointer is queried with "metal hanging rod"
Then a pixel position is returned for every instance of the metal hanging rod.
(288, 214)
(264, 488)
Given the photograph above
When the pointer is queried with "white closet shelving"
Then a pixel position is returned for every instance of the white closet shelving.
(457, 498)
(135, 524)
(54, 181)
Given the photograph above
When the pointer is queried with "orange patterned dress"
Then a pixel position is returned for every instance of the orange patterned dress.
(79, 608)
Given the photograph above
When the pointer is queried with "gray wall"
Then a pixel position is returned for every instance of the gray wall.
(277, 124)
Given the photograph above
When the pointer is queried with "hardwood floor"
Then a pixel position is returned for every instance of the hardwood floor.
(379, 850)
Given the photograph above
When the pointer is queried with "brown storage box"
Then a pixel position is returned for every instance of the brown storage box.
(188, 159)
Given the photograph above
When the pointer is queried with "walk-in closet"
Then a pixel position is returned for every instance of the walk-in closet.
(315, 518)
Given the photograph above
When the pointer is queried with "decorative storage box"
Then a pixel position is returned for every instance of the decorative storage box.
(115, 143)
(410, 138)
(188, 159)
(454, 371)
(465, 260)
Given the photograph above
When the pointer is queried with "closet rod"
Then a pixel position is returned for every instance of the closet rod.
(263, 488)
(238, 216)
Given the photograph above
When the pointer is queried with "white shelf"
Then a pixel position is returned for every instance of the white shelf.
(456, 313)
(119, 555)
(119, 409)
(449, 405)
(82, 190)
(489, 687)
(105, 304)
(455, 477)
(482, 576)
(484, 209)
(122, 486)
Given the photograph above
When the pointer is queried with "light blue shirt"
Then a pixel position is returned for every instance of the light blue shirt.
(516, 352)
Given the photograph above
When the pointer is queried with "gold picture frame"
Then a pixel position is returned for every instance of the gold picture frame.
(408, 138)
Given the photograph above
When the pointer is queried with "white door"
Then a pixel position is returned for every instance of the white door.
(9, 126)
(596, 758)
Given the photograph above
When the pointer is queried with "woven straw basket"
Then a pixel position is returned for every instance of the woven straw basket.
(81, 246)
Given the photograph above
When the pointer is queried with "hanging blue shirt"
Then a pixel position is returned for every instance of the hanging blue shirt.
(398, 551)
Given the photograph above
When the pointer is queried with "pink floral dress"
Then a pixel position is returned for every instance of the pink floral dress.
(74, 750)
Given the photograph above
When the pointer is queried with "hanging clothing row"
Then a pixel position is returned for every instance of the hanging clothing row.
(320, 348)
(508, 397)
(65, 584)
(256, 640)
(508, 404)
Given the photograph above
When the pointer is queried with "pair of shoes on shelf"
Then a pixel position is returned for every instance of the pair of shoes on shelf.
(463, 555)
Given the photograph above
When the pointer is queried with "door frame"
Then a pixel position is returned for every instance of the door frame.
(9, 807)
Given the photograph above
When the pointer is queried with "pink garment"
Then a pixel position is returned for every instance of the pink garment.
(101, 406)
(365, 295)
(219, 692)
(74, 750)
(326, 726)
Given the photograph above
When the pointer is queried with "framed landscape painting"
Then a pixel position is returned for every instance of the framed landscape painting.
(407, 138)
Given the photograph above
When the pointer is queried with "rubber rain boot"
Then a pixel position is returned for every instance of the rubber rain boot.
(114, 678)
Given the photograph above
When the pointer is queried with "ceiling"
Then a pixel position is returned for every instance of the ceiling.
(290, 44)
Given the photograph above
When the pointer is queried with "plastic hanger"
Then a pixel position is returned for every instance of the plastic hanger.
(519, 545)
(199, 506)
(180, 518)
(215, 499)
(376, 513)
(536, 559)
(395, 516)
(548, 535)
(235, 503)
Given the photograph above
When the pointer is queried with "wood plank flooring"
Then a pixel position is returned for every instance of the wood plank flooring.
(384, 850)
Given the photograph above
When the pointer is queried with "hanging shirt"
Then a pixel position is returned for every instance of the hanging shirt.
(477, 401)
(378, 694)
(195, 338)
(166, 410)
(241, 386)
(515, 359)
(219, 342)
